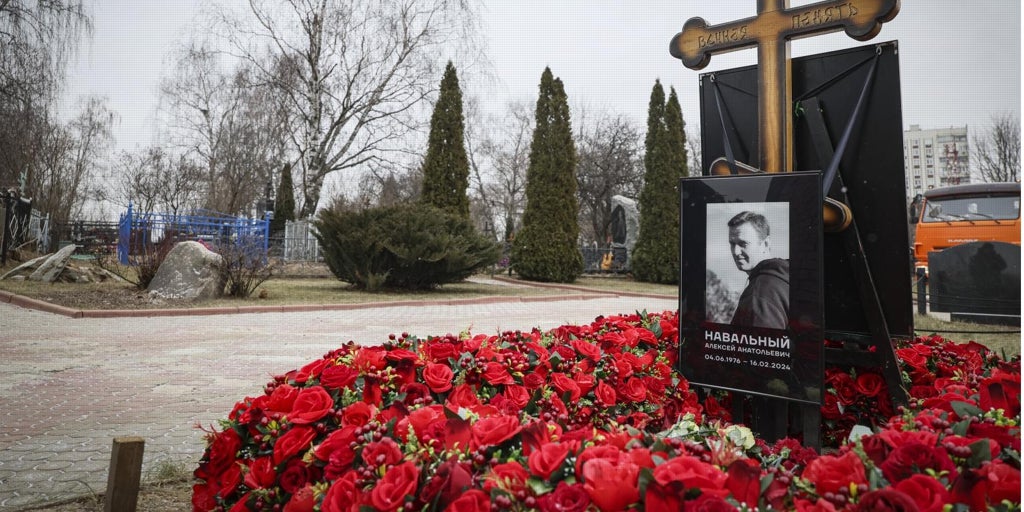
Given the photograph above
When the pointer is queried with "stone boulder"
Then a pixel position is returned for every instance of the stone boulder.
(188, 272)
(53, 265)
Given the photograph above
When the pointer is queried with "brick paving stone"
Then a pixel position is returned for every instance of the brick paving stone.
(71, 385)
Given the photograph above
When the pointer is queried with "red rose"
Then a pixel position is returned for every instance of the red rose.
(295, 476)
(462, 397)
(692, 473)
(517, 395)
(744, 481)
(929, 494)
(612, 487)
(293, 442)
(565, 498)
(357, 414)
(449, 481)
(420, 419)
(509, 477)
(829, 473)
(547, 459)
(587, 349)
(913, 358)
(439, 351)
(1000, 482)
(340, 439)
(886, 499)
(607, 452)
(663, 498)
(382, 453)
(342, 496)
(473, 500)
(370, 358)
(494, 430)
(876, 449)
(533, 380)
(310, 405)
(438, 377)
(843, 384)
(261, 474)
(311, 370)
(634, 390)
(564, 384)
(204, 496)
(908, 459)
(302, 501)
(414, 394)
(605, 394)
(229, 480)
(708, 503)
(1001, 391)
(822, 505)
(397, 483)
(338, 376)
(496, 374)
(223, 451)
(282, 399)
(870, 384)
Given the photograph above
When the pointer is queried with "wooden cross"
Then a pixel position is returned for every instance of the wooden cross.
(771, 30)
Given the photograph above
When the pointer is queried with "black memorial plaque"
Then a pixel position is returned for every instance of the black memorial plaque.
(751, 314)
(977, 279)
(871, 167)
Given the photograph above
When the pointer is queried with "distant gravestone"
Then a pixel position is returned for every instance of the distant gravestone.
(54, 265)
(625, 227)
(978, 281)
(188, 272)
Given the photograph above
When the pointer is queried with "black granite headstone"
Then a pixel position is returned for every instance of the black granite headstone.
(979, 281)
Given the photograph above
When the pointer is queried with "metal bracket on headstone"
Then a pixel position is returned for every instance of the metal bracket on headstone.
(881, 354)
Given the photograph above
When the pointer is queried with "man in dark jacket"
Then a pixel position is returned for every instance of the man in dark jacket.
(765, 300)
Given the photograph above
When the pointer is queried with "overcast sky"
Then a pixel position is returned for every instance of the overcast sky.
(960, 60)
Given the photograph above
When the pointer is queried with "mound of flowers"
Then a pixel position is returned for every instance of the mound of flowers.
(594, 417)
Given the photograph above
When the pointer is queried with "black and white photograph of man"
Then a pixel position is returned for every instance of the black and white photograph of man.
(748, 264)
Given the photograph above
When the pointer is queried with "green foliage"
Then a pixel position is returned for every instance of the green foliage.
(546, 248)
(284, 203)
(409, 246)
(655, 258)
(446, 166)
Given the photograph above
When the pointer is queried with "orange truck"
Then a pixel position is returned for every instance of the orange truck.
(962, 214)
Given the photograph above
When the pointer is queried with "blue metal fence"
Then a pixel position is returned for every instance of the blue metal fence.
(139, 231)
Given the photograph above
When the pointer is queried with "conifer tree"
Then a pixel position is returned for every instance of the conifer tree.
(446, 166)
(284, 201)
(546, 248)
(655, 258)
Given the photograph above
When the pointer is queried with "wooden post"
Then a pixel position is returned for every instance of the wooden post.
(125, 475)
(770, 31)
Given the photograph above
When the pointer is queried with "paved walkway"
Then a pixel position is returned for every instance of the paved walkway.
(71, 385)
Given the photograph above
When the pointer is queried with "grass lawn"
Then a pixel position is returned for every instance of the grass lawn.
(1000, 338)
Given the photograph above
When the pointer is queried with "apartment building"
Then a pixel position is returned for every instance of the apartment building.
(935, 158)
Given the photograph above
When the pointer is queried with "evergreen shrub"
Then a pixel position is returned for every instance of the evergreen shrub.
(409, 246)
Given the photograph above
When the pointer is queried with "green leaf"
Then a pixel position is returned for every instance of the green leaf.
(979, 453)
(965, 410)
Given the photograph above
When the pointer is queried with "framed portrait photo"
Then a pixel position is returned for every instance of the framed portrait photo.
(750, 293)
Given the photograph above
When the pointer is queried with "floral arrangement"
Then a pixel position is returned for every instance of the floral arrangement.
(594, 417)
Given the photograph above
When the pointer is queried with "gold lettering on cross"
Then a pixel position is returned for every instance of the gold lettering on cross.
(770, 31)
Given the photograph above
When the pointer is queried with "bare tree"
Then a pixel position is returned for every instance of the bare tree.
(693, 151)
(235, 129)
(360, 68)
(152, 180)
(610, 163)
(997, 150)
(498, 159)
(68, 157)
(36, 39)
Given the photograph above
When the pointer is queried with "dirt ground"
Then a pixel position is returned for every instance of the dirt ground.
(164, 497)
